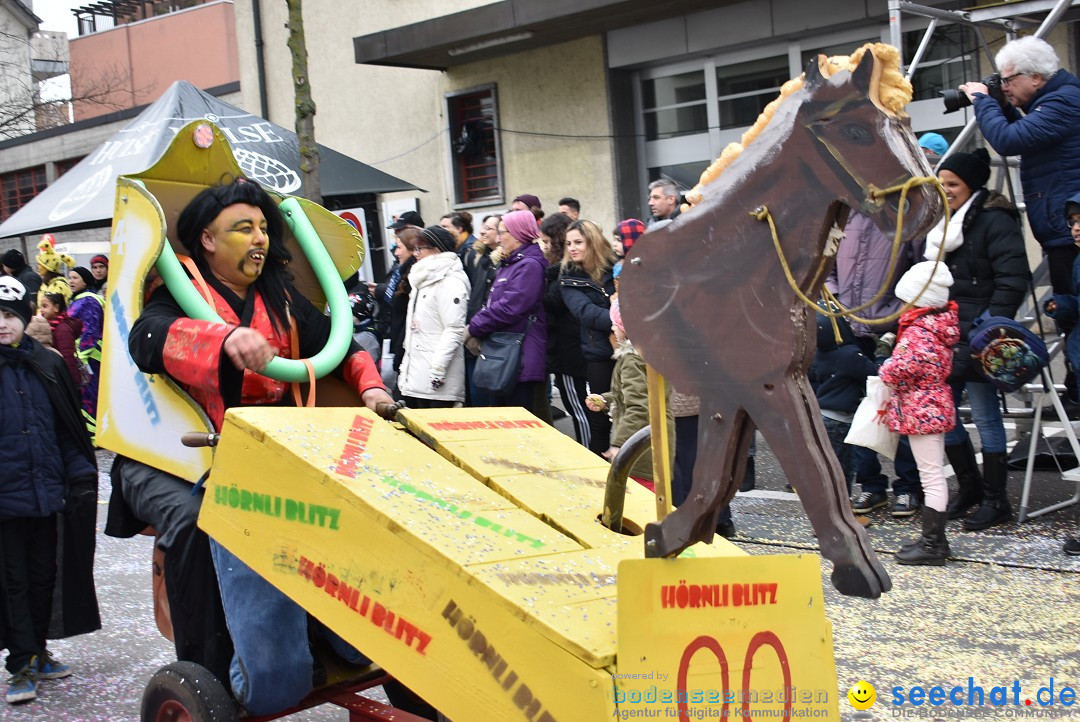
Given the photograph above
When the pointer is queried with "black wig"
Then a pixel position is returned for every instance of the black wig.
(205, 207)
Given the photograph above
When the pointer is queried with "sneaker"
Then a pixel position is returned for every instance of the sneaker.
(905, 505)
(22, 687)
(49, 668)
(1072, 546)
(867, 501)
(557, 413)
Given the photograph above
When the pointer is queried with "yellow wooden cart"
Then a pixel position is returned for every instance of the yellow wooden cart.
(460, 549)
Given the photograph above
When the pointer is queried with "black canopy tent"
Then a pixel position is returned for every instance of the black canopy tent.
(83, 197)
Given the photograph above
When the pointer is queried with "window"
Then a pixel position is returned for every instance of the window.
(18, 188)
(948, 62)
(474, 147)
(675, 105)
(744, 89)
(63, 166)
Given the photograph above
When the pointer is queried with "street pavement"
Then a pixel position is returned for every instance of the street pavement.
(1004, 610)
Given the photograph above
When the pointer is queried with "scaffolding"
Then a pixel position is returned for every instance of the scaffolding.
(1009, 18)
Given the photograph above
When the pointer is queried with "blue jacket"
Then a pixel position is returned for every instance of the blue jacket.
(43, 444)
(1047, 139)
(838, 373)
(590, 303)
(1067, 311)
(516, 293)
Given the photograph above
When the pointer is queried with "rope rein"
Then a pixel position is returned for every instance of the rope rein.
(836, 309)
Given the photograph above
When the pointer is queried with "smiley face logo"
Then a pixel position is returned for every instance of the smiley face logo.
(862, 695)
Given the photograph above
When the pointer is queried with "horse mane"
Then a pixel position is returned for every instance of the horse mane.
(889, 90)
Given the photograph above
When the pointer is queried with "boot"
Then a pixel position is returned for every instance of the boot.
(995, 508)
(962, 458)
(933, 548)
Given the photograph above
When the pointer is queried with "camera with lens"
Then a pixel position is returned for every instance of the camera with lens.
(956, 99)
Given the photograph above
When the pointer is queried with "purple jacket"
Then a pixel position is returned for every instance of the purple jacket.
(516, 293)
(861, 264)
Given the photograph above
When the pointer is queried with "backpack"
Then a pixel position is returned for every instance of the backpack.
(1005, 353)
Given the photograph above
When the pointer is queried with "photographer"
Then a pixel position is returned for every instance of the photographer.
(1046, 137)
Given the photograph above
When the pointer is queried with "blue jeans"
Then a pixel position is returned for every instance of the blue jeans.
(985, 413)
(870, 477)
(272, 667)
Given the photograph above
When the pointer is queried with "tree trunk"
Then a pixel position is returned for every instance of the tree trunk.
(305, 106)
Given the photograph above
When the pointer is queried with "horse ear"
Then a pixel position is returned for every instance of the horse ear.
(813, 73)
(863, 75)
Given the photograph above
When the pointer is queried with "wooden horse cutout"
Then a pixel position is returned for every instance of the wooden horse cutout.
(706, 301)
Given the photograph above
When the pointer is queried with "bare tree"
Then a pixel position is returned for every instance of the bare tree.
(23, 107)
(305, 104)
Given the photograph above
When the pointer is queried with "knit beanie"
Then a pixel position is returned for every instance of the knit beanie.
(100, 258)
(935, 143)
(972, 168)
(438, 237)
(912, 287)
(529, 200)
(49, 258)
(13, 298)
(629, 231)
(86, 276)
(522, 226)
(14, 260)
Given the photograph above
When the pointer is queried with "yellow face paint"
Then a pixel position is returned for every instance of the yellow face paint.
(237, 245)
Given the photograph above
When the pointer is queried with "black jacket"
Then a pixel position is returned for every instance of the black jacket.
(478, 267)
(989, 270)
(590, 303)
(564, 355)
(75, 609)
(838, 373)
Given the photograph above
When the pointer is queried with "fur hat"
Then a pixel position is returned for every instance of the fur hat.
(13, 298)
(972, 168)
(49, 258)
(912, 287)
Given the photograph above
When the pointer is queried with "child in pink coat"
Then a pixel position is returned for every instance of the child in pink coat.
(922, 404)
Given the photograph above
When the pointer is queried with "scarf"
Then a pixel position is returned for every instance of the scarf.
(955, 237)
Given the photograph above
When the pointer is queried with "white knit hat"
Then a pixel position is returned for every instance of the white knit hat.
(910, 287)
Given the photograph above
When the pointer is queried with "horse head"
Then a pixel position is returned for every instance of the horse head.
(866, 140)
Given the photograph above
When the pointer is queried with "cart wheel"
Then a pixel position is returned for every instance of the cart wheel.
(186, 692)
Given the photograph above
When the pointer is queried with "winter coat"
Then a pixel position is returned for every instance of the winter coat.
(862, 263)
(516, 294)
(1067, 309)
(65, 336)
(435, 329)
(30, 280)
(89, 308)
(1047, 139)
(838, 372)
(590, 303)
(922, 402)
(56, 470)
(628, 402)
(398, 310)
(481, 273)
(564, 355)
(40, 453)
(989, 270)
